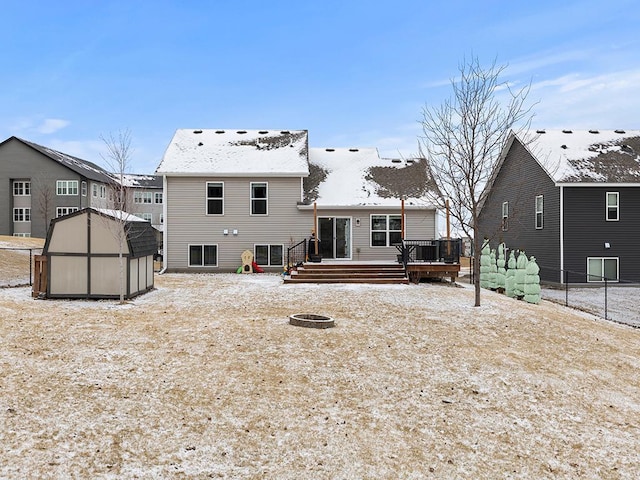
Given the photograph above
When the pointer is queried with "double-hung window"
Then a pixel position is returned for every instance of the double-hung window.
(61, 211)
(67, 187)
(203, 255)
(259, 198)
(505, 216)
(142, 197)
(83, 188)
(613, 206)
(21, 214)
(539, 211)
(599, 268)
(21, 188)
(215, 198)
(145, 216)
(269, 255)
(386, 230)
(157, 197)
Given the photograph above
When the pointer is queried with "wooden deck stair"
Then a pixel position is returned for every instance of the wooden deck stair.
(387, 273)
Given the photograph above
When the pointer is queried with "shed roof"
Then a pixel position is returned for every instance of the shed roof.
(588, 156)
(236, 153)
(360, 177)
(141, 237)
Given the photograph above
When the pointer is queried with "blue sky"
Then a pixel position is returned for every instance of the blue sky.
(352, 72)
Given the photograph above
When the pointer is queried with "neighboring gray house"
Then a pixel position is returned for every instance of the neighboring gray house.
(571, 199)
(227, 191)
(38, 184)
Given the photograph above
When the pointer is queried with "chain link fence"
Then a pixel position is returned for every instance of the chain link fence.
(611, 299)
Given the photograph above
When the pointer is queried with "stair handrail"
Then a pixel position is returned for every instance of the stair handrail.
(296, 255)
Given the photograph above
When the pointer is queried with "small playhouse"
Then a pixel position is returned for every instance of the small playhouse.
(81, 256)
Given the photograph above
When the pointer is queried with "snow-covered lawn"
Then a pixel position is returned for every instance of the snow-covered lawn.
(205, 378)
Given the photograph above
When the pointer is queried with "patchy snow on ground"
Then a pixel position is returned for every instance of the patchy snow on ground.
(205, 378)
(616, 303)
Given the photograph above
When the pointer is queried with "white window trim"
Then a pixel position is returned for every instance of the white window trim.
(505, 216)
(25, 187)
(145, 216)
(602, 259)
(207, 198)
(83, 188)
(202, 245)
(251, 199)
(617, 207)
(143, 198)
(24, 212)
(61, 211)
(157, 195)
(22, 235)
(269, 245)
(387, 230)
(539, 212)
(65, 186)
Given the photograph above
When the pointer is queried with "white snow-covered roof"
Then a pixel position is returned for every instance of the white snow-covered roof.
(359, 177)
(120, 215)
(236, 153)
(588, 156)
(142, 181)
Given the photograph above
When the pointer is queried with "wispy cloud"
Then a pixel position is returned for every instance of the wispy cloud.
(51, 125)
(37, 125)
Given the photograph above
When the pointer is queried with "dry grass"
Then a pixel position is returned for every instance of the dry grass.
(14, 264)
(204, 378)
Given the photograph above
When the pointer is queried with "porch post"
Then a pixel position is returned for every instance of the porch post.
(315, 223)
(402, 217)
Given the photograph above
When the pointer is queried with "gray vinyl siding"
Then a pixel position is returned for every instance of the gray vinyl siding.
(586, 230)
(420, 225)
(20, 162)
(519, 181)
(187, 223)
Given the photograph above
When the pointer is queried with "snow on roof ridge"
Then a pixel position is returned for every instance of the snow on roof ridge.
(564, 154)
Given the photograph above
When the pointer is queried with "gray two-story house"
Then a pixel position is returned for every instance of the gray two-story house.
(571, 199)
(39, 184)
(228, 191)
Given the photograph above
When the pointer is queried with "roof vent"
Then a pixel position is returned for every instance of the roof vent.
(567, 131)
(353, 149)
(330, 149)
(594, 131)
(563, 146)
(619, 131)
(197, 131)
(541, 131)
(410, 160)
(396, 160)
(285, 132)
(263, 132)
(241, 132)
(200, 144)
(219, 131)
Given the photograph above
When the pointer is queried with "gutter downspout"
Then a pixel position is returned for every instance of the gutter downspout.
(561, 234)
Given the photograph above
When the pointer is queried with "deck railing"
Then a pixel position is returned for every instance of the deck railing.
(296, 254)
(415, 251)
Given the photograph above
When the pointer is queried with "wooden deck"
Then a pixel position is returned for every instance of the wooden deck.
(419, 270)
(329, 271)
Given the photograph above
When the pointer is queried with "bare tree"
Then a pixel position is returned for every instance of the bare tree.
(463, 138)
(43, 189)
(118, 158)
